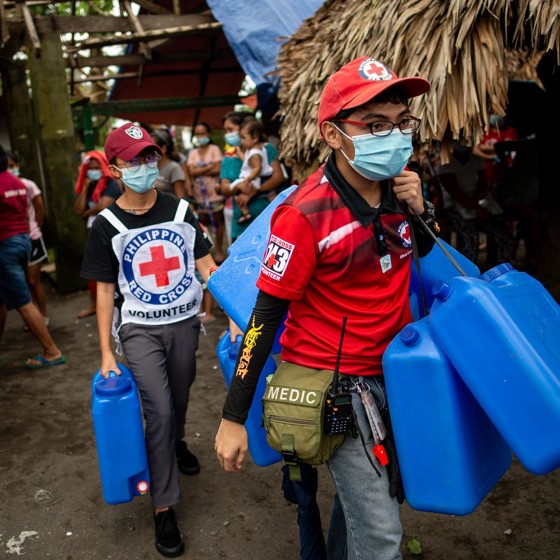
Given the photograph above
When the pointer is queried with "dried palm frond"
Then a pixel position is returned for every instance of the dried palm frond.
(461, 46)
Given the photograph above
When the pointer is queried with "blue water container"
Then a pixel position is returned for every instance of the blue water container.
(434, 268)
(119, 436)
(263, 455)
(501, 332)
(450, 453)
(234, 283)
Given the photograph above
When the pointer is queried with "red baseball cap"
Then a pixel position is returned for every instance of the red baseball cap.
(360, 81)
(128, 141)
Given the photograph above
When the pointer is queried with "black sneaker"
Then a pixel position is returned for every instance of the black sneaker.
(186, 461)
(169, 540)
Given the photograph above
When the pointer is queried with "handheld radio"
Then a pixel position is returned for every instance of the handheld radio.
(338, 405)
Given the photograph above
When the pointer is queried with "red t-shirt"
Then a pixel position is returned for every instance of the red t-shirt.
(13, 206)
(495, 171)
(327, 264)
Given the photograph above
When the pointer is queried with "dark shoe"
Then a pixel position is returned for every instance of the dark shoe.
(169, 540)
(186, 461)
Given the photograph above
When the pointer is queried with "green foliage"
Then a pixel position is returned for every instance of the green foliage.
(413, 546)
(94, 7)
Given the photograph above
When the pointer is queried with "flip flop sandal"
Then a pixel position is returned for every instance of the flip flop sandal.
(43, 362)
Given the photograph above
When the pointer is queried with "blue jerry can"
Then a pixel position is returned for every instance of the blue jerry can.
(435, 267)
(263, 455)
(119, 436)
(501, 332)
(450, 454)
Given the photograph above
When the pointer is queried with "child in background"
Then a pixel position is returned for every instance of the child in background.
(255, 165)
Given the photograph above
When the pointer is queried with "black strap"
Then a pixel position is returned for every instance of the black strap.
(440, 245)
(417, 263)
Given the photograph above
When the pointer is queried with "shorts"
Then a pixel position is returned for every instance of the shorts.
(38, 252)
(14, 256)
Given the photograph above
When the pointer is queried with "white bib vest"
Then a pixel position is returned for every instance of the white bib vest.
(157, 270)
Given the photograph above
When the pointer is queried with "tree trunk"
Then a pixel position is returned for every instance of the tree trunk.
(60, 161)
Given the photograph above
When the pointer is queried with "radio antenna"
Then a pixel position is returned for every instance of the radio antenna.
(337, 365)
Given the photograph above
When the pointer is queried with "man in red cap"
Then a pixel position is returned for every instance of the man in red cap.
(143, 251)
(340, 247)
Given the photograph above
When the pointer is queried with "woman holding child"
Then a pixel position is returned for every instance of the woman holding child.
(245, 194)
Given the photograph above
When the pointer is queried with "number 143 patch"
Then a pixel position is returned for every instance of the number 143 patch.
(276, 258)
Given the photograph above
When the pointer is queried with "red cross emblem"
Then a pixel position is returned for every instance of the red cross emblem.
(372, 69)
(160, 266)
(271, 261)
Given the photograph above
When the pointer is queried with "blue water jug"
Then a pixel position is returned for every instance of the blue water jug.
(501, 332)
(262, 454)
(234, 283)
(119, 436)
(436, 267)
(450, 453)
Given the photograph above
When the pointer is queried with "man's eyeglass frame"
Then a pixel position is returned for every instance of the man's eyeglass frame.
(415, 121)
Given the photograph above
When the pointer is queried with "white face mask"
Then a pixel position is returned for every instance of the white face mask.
(380, 157)
(142, 179)
(14, 171)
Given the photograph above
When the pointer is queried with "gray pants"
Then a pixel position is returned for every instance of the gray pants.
(163, 361)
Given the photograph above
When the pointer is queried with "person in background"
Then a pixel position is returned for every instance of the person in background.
(15, 248)
(496, 167)
(340, 248)
(204, 162)
(171, 178)
(231, 167)
(96, 189)
(203, 165)
(254, 169)
(145, 249)
(467, 210)
(36, 218)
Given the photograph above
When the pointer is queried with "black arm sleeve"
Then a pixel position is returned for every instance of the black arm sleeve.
(424, 240)
(268, 313)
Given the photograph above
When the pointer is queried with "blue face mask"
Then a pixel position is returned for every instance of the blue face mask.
(233, 139)
(14, 171)
(380, 157)
(141, 180)
(200, 141)
(94, 174)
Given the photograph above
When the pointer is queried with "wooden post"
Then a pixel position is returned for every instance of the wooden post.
(60, 159)
(23, 131)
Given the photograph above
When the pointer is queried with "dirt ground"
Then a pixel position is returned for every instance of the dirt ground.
(52, 506)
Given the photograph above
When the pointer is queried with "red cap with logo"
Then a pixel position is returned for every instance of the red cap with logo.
(360, 81)
(128, 141)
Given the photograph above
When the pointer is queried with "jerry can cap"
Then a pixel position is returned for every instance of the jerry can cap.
(442, 290)
(113, 386)
(410, 336)
(496, 272)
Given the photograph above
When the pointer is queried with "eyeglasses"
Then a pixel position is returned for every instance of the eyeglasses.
(408, 125)
(151, 160)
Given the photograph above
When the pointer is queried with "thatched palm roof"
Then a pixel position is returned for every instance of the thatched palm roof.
(463, 47)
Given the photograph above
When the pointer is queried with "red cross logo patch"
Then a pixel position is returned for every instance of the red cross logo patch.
(404, 232)
(277, 257)
(155, 265)
(373, 70)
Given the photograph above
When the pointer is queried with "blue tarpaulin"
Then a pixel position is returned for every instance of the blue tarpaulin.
(254, 29)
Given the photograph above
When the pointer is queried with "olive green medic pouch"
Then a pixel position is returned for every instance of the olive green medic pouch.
(293, 415)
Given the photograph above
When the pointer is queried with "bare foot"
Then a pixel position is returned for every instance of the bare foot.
(86, 313)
